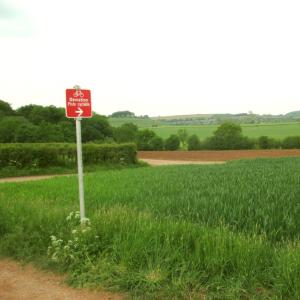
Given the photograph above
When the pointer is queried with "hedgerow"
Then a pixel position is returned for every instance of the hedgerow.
(46, 155)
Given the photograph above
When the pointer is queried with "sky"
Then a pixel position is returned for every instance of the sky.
(158, 57)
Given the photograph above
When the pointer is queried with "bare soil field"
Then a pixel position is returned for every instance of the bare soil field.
(19, 282)
(214, 156)
(164, 162)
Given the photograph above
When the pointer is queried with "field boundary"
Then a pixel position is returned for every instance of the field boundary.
(214, 156)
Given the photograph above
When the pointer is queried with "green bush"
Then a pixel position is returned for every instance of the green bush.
(265, 142)
(291, 142)
(143, 139)
(156, 143)
(172, 142)
(193, 142)
(46, 155)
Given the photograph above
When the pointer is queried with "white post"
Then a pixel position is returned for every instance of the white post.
(80, 166)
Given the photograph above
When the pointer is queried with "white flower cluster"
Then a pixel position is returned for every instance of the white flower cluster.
(76, 247)
(73, 215)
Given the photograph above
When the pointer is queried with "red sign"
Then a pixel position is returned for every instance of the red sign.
(78, 104)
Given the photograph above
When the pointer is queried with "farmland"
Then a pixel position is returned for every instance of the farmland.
(253, 131)
(273, 130)
(212, 156)
(222, 231)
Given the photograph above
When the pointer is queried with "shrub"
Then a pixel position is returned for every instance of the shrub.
(193, 142)
(265, 142)
(228, 136)
(172, 142)
(291, 142)
(143, 139)
(44, 155)
(125, 133)
(156, 143)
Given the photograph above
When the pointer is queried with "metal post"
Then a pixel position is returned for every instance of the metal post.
(80, 165)
(80, 168)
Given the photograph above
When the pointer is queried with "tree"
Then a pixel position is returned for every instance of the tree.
(125, 133)
(68, 131)
(229, 136)
(48, 132)
(172, 142)
(193, 142)
(265, 142)
(183, 136)
(8, 128)
(26, 133)
(96, 129)
(123, 114)
(291, 142)
(37, 114)
(156, 143)
(143, 139)
(5, 109)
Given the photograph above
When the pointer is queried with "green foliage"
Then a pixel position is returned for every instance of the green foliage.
(125, 133)
(9, 128)
(193, 143)
(156, 144)
(183, 136)
(272, 130)
(228, 136)
(172, 142)
(265, 142)
(5, 109)
(123, 114)
(143, 139)
(291, 142)
(37, 114)
(223, 231)
(95, 128)
(45, 155)
(67, 254)
(39, 124)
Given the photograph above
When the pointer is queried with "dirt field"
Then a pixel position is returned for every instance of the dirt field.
(27, 283)
(163, 162)
(214, 156)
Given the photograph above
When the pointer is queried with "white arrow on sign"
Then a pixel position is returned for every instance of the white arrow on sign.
(79, 111)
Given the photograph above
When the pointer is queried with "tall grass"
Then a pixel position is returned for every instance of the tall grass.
(220, 231)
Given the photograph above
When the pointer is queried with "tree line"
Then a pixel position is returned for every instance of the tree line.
(43, 124)
(48, 124)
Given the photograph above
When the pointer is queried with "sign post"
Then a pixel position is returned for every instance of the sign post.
(78, 106)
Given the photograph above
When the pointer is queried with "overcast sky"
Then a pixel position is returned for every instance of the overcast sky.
(153, 57)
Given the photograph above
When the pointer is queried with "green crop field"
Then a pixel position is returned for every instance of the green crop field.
(203, 131)
(141, 123)
(172, 232)
(274, 130)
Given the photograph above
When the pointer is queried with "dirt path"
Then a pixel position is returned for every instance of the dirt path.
(30, 178)
(215, 155)
(161, 162)
(19, 282)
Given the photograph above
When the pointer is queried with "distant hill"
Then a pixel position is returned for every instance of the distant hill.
(293, 114)
(205, 119)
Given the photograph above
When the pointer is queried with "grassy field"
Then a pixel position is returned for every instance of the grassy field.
(141, 123)
(274, 130)
(279, 131)
(180, 232)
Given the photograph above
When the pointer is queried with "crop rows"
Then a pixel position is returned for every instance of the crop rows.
(224, 231)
